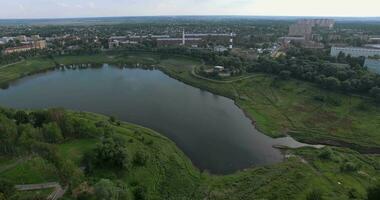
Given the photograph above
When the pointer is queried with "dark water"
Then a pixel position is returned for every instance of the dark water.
(209, 128)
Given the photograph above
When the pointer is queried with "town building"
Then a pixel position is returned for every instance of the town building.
(323, 23)
(300, 30)
(354, 51)
(22, 38)
(35, 37)
(19, 49)
(374, 40)
(40, 44)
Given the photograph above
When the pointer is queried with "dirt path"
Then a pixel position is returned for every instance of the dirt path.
(10, 64)
(10, 166)
(218, 81)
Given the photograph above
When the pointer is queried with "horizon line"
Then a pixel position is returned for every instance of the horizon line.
(136, 16)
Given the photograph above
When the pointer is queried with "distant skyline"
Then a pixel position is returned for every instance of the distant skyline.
(17, 9)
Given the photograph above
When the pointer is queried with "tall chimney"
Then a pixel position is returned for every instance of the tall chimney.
(183, 37)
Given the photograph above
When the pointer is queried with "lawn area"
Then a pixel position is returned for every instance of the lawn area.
(35, 170)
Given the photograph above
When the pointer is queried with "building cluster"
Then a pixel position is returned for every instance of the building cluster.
(302, 32)
(194, 40)
(26, 43)
(372, 55)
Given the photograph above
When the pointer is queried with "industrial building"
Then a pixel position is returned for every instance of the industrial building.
(354, 51)
(191, 42)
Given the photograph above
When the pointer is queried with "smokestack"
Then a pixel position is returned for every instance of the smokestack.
(183, 37)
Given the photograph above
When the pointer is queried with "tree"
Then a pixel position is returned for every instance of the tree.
(28, 135)
(52, 133)
(6, 189)
(140, 193)
(105, 190)
(8, 135)
(21, 117)
(331, 83)
(375, 92)
(285, 74)
(112, 151)
(140, 158)
(38, 118)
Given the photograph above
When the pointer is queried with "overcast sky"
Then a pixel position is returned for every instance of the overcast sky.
(98, 8)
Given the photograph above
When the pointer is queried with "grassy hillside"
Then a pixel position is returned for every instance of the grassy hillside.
(297, 108)
(168, 174)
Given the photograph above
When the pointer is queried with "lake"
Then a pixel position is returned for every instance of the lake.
(210, 129)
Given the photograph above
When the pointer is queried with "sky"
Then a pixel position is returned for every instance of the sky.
(108, 8)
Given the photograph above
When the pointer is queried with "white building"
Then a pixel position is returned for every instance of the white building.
(354, 51)
(372, 65)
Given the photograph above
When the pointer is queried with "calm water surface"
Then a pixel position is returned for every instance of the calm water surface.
(210, 129)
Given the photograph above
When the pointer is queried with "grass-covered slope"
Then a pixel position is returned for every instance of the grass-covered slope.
(166, 173)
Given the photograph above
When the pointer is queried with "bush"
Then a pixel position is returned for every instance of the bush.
(52, 133)
(112, 151)
(140, 158)
(140, 193)
(349, 167)
(314, 195)
(326, 154)
(21, 117)
(6, 188)
(373, 193)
